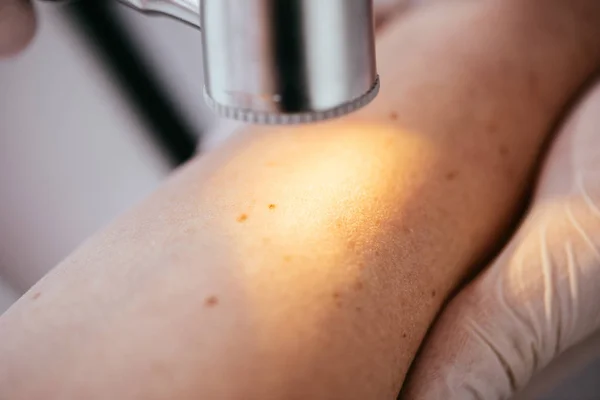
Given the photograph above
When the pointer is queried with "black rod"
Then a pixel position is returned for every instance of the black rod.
(101, 24)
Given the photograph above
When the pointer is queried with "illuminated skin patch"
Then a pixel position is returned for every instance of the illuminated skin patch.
(326, 189)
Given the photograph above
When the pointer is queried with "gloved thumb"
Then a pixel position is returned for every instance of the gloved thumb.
(540, 297)
(17, 26)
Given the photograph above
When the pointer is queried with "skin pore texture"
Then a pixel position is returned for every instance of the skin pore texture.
(308, 262)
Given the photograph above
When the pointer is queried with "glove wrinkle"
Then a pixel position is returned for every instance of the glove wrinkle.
(487, 341)
(574, 284)
(552, 309)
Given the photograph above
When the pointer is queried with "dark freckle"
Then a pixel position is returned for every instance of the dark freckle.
(433, 293)
(394, 116)
(242, 218)
(359, 285)
(358, 308)
(211, 301)
(272, 206)
(287, 258)
(492, 126)
(37, 295)
(376, 252)
(336, 295)
(450, 176)
(404, 335)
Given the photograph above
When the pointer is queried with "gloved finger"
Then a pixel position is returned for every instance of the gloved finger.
(542, 294)
(17, 26)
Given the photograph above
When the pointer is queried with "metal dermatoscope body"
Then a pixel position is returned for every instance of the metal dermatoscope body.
(281, 61)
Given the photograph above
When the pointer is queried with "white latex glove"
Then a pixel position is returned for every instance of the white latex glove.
(17, 26)
(540, 296)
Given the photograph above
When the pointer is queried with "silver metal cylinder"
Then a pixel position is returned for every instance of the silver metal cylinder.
(281, 61)
(288, 61)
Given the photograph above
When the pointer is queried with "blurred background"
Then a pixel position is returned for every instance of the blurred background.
(93, 116)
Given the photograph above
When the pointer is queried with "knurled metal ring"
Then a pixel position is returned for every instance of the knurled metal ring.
(275, 118)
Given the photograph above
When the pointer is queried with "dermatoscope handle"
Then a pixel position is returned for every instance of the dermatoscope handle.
(184, 10)
(281, 61)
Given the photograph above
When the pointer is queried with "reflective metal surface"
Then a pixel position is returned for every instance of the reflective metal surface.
(282, 61)
(273, 61)
(185, 10)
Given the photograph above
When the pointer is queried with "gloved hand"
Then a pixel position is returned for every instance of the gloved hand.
(541, 295)
(17, 26)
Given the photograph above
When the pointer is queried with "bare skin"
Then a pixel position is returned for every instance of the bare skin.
(309, 262)
(17, 26)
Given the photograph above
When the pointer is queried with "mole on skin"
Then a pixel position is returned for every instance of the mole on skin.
(272, 206)
(211, 301)
(242, 218)
(451, 175)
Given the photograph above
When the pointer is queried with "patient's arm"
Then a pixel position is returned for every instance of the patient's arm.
(308, 262)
